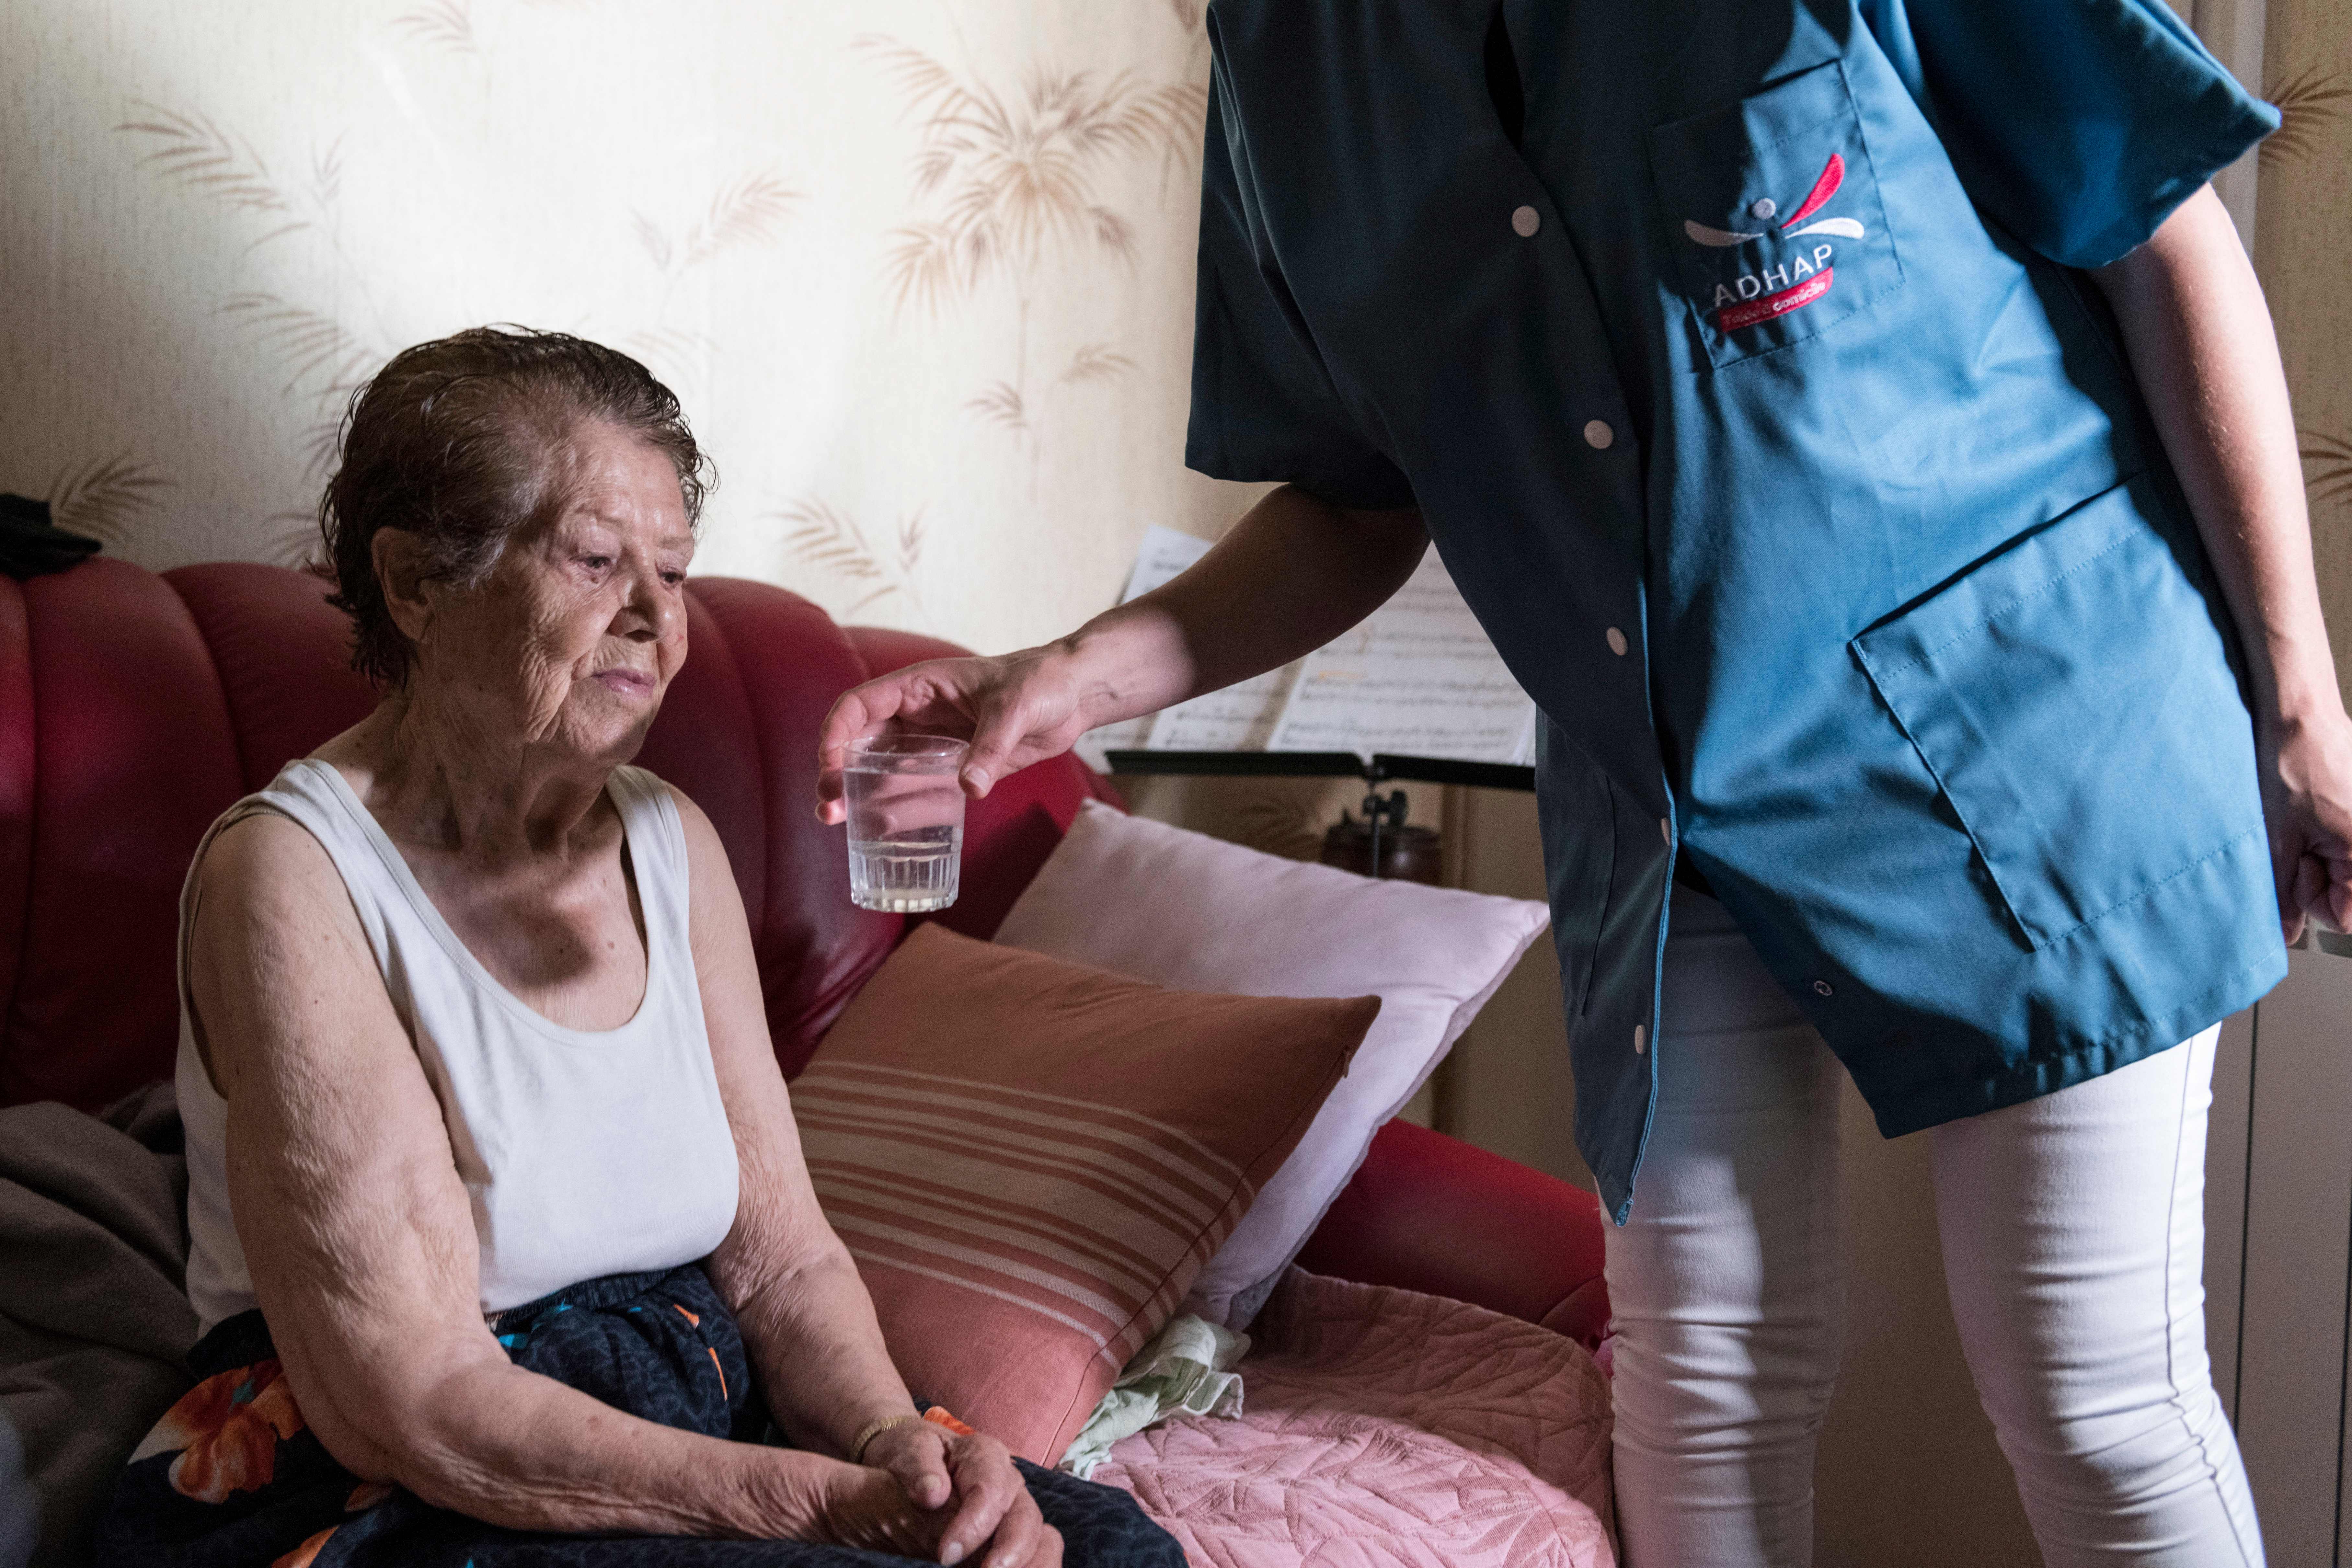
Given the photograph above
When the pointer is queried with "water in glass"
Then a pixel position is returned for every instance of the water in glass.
(906, 826)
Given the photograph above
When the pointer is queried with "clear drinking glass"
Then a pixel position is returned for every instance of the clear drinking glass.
(906, 821)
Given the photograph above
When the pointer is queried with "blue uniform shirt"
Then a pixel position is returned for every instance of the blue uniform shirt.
(1732, 353)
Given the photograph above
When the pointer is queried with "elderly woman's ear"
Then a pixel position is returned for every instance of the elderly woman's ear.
(399, 556)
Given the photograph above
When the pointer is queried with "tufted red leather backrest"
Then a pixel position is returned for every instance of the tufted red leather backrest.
(135, 708)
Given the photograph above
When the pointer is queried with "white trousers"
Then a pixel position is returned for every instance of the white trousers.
(2073, 1238)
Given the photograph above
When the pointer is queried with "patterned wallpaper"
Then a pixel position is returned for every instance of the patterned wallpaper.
(2303, 222)
(921, 269)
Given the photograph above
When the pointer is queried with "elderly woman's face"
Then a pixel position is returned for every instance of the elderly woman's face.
(583, 622)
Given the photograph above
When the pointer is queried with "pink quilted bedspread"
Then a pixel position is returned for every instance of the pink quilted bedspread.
(1383, 1428)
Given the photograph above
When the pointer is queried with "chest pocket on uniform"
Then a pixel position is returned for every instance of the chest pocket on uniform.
(1774, 217)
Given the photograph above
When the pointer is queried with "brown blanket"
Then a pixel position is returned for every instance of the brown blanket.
(94, 1324)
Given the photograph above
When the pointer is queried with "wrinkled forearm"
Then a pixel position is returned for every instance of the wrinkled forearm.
(813, 1341)
(513, 1448)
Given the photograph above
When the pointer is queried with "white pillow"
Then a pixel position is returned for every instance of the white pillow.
(1195, 913)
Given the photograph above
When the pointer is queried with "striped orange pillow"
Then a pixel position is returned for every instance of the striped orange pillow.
(1031, 1161)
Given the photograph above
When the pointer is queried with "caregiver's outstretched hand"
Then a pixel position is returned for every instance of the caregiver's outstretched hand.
(1291, 574)
(1016, 709)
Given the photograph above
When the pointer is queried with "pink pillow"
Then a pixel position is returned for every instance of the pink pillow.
(1032, 1160)
(1141, 898)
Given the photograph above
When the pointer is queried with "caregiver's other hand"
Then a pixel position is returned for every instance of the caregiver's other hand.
(2307, 803)
(928, 1492)
(1016, 709)
(2202, 347)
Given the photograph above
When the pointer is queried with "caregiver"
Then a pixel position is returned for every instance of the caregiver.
(1858, 426)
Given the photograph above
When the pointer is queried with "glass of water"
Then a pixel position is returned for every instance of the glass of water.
(906, 821)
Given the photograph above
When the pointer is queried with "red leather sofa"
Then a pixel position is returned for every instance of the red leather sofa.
(135, 707)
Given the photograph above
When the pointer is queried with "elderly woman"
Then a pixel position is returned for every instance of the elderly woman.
(501, 1231)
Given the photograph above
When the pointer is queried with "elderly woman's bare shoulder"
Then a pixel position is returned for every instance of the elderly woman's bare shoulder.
(719, 927)
(710, 874)
(266, 890)
(278, 967)
(701, 834)
(266, 856)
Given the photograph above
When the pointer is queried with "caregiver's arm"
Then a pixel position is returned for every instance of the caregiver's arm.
(807, 1321)
(361, 1242)
(2201, 344)
(1291, 574)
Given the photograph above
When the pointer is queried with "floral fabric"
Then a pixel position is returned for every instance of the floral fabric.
(232, 1478)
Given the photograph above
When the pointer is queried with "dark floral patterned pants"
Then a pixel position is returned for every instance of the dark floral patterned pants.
(232, 1478)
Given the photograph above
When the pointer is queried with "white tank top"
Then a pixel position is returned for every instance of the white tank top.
(583, 1153)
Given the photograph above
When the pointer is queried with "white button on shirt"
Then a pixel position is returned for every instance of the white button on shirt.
(1641, 1038)
(1524, 221)
(1616, 641)
(1598, 436)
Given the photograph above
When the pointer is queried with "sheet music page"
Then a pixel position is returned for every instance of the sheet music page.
(1164, 555)
(1241, 718)
(1418, 677)
(1238, 719)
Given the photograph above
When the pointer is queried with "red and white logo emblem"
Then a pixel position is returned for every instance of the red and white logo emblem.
(1793, 284)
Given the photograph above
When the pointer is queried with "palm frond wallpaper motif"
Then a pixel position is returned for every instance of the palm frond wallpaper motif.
(1012, 179)
(745, 213)
(1097, 361)
(104, 496)
(2327, 474)
(2310, 104)
(307, 343)
(444, 24)
(323, 362)
(918, 270)
(294, 540)
(327, 173)
(819, 535)
(2302, 212)
(193, 150)
(1001, 403)
(321, 359)
(1015, 174)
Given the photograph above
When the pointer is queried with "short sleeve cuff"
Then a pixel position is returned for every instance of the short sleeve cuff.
(1374, 485)
(2080, 125)
(2243, 123)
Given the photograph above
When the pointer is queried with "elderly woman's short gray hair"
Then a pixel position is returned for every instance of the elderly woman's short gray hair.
(456, 441)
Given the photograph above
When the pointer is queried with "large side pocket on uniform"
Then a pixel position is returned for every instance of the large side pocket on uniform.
(2072, 696)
